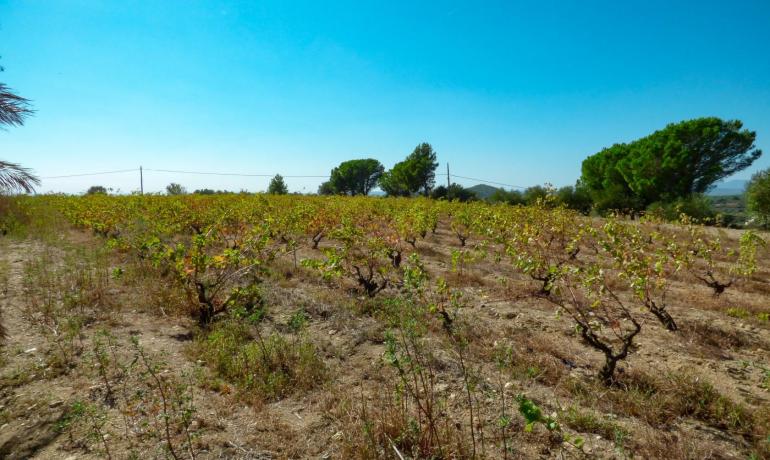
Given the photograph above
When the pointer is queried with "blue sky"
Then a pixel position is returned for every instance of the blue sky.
(515, 92)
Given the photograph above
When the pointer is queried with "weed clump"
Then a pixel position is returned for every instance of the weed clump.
(264, 368)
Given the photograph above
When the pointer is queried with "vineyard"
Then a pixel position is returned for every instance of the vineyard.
(252, 326)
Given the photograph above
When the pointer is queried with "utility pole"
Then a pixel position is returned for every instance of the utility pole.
(447, 175)
(141, 181)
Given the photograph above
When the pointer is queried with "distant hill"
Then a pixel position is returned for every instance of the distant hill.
(483, 191)
(730, 187)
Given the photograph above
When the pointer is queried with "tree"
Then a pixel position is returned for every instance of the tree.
(277, 186)
(356, 177)
(326, 188)
(680, 160)
(175, 189)
(512, 197)
(758, 196)
(397, 181)
(96, 190)
(13, 177)
(605, 183)
(424, 164)
(13, 108)
(576, 198)
(416, 174)
(453, 192)
(532, 194)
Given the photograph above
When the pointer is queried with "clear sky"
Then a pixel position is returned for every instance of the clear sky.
(515, 92)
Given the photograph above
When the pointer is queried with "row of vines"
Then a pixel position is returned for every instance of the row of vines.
(219, 247)
(610, 277)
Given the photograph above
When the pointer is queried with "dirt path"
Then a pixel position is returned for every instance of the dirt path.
(35, 394)
(31, 406)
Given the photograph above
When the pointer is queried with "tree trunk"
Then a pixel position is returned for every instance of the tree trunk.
(665, 318)
(606, 375)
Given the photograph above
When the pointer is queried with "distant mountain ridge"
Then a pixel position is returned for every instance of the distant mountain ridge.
(483, 191)
(730, 187)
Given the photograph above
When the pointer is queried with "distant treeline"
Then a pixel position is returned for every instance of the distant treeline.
(667, 173)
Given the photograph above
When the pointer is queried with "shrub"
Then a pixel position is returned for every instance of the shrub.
(696, 206)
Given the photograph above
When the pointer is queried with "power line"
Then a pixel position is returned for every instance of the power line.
(230, 174)
(486, 181)
(206, 173)
(91, 174)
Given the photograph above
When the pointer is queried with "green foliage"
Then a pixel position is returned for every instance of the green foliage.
(365, 255)
(453, 192)
(590, 422)
(267, 368)
(246, 303)
(534, 194)
(416, 174)
(512, 197)
(13, 108)
(298, 321)
(758, 197)
(175, 189)
(605, 183)
(680, 160)
(533, 415)
(15, 215)
(353, 177)
(749, 243)
(696, 206)
(96, 190)
(730, 210)
(576, 198)
(14, 177)
(208, 191)
(738, 312)
(326, 188)
(277, 186)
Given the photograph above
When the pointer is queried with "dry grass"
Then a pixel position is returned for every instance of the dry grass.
(661, 401)
(709, 340)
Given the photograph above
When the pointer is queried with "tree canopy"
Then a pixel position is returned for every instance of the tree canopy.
(175, 189)
(758, 196)
(416, 174)
(14, 177)
(326, 188)
(680, 160)
(96, 190)
(512, 197)
(277, 186)
(576, 198)
(13, 110)
(355, 177)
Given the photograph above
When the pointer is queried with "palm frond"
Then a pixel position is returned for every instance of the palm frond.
(13, 177)
(13, 108)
